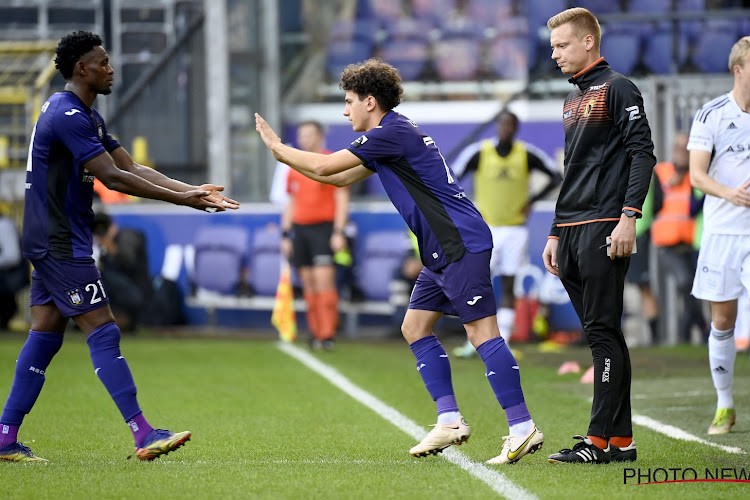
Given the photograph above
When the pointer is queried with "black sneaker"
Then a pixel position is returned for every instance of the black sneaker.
(625, 454)
(328, 345)
(584, 452)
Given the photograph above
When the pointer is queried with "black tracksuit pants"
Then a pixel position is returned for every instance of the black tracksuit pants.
(595, 284)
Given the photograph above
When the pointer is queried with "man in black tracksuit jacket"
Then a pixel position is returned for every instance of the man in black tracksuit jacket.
(608, 165)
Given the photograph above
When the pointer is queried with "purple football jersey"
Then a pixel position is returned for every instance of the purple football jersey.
(424, 190)
(59, 190)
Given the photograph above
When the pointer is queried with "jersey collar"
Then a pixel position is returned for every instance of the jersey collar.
(588, 75)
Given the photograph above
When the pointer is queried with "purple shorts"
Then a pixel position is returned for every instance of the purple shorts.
(462, 288)
(74, 285)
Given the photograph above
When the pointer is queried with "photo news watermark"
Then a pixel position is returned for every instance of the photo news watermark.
(662, 475)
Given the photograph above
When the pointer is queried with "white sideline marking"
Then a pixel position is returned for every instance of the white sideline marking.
(676, 433)
(495, 480)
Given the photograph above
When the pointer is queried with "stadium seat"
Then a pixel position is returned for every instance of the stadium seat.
(220, 257)
(409, 29)
(342, 53)
(408, 56)
(265, 261)
(457, 58)
(432, 10)
(658, 54)
(599, 7)
(711, 51)
(649, 6)
(691, 5)
(487, 13)
(511, 57)
(387, 10)
(379, 255)
(622, 51)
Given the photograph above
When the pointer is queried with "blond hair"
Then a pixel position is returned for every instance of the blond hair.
(583, 22)
(738, 53)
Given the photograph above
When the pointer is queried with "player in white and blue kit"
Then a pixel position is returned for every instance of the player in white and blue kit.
(454, 243)
(720, 167)
(69, 147)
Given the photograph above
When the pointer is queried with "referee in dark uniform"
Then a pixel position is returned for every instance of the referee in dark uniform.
(608, 165)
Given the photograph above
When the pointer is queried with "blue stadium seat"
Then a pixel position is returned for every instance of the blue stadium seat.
(265, 260)
(432, 10)
(711, 51)
(488, 12)
(220, 257)
(649, 6)
(379, 255)
(345, 52)
(658, 53)
(622, 51)
(457, 58)
(386, 10)
(691, 5)
(409, 29)
(511, 57)
(409, 56)
(599, 7)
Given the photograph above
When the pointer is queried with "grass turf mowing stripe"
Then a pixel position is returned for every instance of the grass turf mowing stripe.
(495, 480)
(677, 433)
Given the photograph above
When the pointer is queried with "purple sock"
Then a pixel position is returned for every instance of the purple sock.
(113, 370)
(8, 434)
(446, 404)
(140, 427)
(504, 378)
(31, 366)
(434, 367)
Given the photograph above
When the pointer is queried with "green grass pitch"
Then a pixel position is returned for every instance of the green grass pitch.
(266, 426)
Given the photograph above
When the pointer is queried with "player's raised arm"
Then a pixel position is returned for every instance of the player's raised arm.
(304, 161)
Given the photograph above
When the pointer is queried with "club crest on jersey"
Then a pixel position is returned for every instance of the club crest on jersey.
(75, 297)
(589, 107)
(99, 129)
(361, 140)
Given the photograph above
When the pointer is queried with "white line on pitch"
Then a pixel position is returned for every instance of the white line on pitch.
(677, 433)
(492, 478)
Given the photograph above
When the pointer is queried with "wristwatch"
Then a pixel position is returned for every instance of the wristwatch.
(630, 213)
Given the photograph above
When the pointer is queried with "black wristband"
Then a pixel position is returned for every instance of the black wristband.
(286, 233)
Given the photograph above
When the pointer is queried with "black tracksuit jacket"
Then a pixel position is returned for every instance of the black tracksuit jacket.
(608, 150)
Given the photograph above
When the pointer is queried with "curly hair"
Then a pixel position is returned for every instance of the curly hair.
(376, 78)
(71, 48)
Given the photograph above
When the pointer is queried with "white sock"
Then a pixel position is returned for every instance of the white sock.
(722, 352)
(449, 417)
(506, 320)
(522, 429)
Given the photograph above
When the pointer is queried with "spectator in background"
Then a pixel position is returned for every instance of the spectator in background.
(14, 270)
(313, 224)
(672, 233)
(720, 168)
(121, 257)
(405, 276)
(501, 168)
(639, 271)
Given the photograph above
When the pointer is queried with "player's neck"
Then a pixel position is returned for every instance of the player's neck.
(742, 99)
(85, 95)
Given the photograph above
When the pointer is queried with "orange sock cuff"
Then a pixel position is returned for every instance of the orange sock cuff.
(313, 318)
(599, 442)
(621, 441)
(328, 313)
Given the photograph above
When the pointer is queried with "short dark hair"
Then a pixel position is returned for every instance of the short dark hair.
(510, 115)
(71, 48)
(315, 123)
(376, 78)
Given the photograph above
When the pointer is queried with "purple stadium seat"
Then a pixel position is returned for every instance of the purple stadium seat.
(711, 52)
(380, 254)
(387, 10)
(433, 10)
(658, 54)
(408, 56)
(649, 6)
(622, 51)
(409, 29)
(599, 7)
(691, 5)
(345, 52)
(457, 58)
(265, 260)
(220, 257)
(511, 57)
(488, 12)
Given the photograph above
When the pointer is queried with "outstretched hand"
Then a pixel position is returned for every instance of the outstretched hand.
(198, 199)
(267, 134)
(215, 196)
